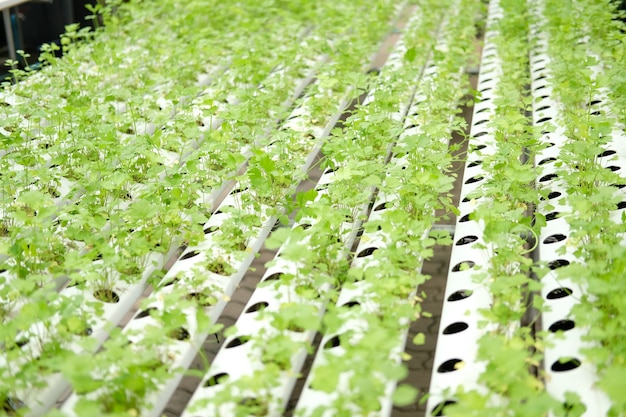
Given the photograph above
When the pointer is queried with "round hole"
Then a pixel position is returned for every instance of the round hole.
(189, 255)
(180, 334)
(482, 110)
(216, 379)
(558, 237)
(548, 177)
(332, 342)
(482, 100)
(621, 205)
(475, 179)
(565, 364)
(462, 266)
(541, 77)
(557, 293)
(351, 304)
(543, 108)
(607, 153)
(478, 147)
(552, 216)
(145, 313)
(257, 306)
(540, 87)
(304, 226)
(479, 134)
(330, 170)
(613, 168)
(454, 328)
(486, 80)
(239, 190)
(440, 409)
(563, 325)
(449, 366)
(460, 295)
(381, 206)
(474, 164)
(546, 160)
(366, 252)
(594, 102)
(238, 341)
(619, 186)
(544, 119)
(211, 229)
(466, 240)
(106, 295)
(554, 194)
(480, 122)
(558, 264)
(596, 113)
(274, 277)
(464, 219)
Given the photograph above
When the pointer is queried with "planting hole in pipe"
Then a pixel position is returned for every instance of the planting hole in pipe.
(381, 206)
(238, 341)
(465, 218)
(565, 364)
(475, 148)
(558, 263)
(480, 122)
(440, 409)
(552, 195)
(482, 110)
(465, 240)
(546, 160)
(106, 295)
(211, 229)
(552, 216)
(558, 237)
(563, 325)
(557, 293)
(202, 298)
(460, 295)
(541, 77)
(332, 342)
(257, 307)
(274, 277)
(450, 365)
(216, 379)
(179, 334)
(474, 164)
(145, 313)
(613, 168)
(475, 179)
(462, 266)
(548, 177)
(456, 327)
(543, 108)
(190, 255)
(594, 102)
(621, 205)
(366, 252)
(607, 153)
(239, 190)
(479, 134)
(351, 304)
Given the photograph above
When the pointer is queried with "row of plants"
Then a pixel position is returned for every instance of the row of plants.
(502, 374)
(177, 192)
(358, 367)
(178, 315)
(590, 165)
(254, 373)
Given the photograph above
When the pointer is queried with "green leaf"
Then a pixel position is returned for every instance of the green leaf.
(419, 339)
(404, 395)
(410, 54)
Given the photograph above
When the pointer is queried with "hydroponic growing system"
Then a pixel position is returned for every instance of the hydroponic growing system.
(150, 162)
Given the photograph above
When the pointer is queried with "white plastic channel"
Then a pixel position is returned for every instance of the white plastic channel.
(192, 260)
(565, 366)
(239, 357)
(463, 298)
(236, 360)
(360, 293)
(41, 401)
